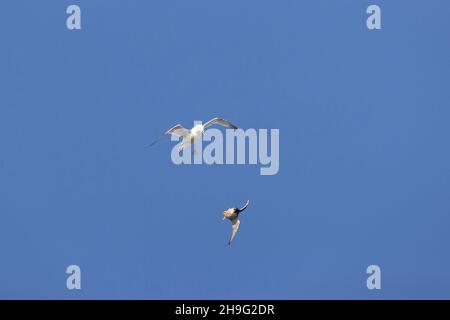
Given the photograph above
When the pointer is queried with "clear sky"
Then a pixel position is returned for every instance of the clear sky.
(364, 149)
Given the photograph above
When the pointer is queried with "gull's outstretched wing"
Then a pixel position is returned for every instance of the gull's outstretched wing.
(151, 144)
(244, 207)
(178, 130)
(220, 121)
(236, 222)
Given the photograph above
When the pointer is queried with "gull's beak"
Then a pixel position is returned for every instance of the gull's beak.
(224, 217)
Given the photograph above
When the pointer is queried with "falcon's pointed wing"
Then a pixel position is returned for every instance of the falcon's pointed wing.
(236, 222)
(244, 207)
(220, 121)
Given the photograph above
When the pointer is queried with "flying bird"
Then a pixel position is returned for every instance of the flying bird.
(189, 136)
(233, 215)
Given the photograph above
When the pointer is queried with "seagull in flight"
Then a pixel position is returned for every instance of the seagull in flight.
(189, 136)
(233, 215)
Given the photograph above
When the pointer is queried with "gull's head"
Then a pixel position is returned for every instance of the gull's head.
(197, 129)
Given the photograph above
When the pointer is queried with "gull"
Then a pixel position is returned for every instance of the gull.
(233, 215)
(189, 136)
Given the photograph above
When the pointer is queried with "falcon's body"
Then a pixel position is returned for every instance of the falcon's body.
(233, 215)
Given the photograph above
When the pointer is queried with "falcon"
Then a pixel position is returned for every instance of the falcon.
(232, 214)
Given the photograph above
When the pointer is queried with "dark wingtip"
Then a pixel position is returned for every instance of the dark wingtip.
(152, 143)
(245, 206)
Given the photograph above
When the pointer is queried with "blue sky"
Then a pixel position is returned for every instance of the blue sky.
(364, 149)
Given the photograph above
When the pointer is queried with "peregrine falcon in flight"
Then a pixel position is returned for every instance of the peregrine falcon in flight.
(233, 215)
